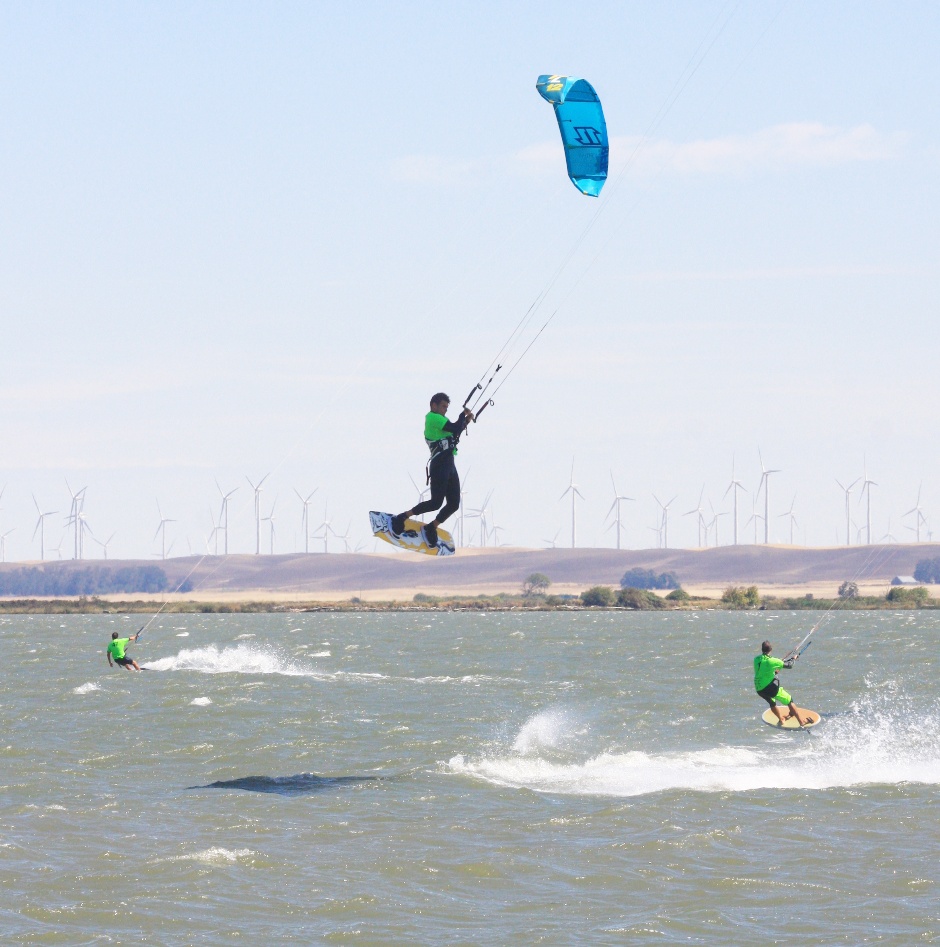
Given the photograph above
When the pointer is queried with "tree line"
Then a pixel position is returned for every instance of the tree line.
(35, 581)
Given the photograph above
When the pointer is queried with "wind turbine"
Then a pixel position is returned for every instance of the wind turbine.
(75, 519)
(848, 509)
(664, 520)
(257, 489)
(223, 514)
(765, 483)
(616, 505)
(327, 527)
(305, 516)
(162, 529)
(40, 527)
(755, 517)
(714, 522)
(270, 519)
(735, 485)
(3, 544)
(575, 492)
(482, 514)
(889, 537)
(104, 545)
(866, 489)
(551, 542)
(701, 515)
(792, 516)
(919, 518)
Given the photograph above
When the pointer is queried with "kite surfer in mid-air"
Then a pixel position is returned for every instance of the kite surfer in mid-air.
(441, 436)
(768, 687)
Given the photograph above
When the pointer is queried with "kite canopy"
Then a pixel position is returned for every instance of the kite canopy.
(583, 129)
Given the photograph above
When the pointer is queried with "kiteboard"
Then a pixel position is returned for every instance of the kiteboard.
(413, 537)
(770, 718)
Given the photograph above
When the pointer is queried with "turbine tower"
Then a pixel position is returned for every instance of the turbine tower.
(104, 545)
(616, 506)
(848, 509)
(575, 492)
(75, 519)
(792, 516)
(3, 544)
(270, 519)
(41, 528)
(223, 514)
(701, 516)
(765, 483)
(735, 485)
(867, 484)
(257, 489)
(919, 514)
(664, 520)
(305, 516)
(161, 529)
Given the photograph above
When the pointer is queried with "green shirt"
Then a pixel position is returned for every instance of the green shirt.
(434, 428)
(765, 668)
(116, 648)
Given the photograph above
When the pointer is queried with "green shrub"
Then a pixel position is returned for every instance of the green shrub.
(678, 595)
(848, 590)
(640, 599)
(908, 598)
(738, 597)
(601, 596)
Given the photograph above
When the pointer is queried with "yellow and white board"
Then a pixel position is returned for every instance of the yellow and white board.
(413, 536)
(769, 717)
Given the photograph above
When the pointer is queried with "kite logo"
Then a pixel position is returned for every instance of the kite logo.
(585, 135)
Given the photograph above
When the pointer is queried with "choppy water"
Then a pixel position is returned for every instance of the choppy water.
(467, 779)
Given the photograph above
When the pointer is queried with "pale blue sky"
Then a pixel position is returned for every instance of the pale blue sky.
(243, 237)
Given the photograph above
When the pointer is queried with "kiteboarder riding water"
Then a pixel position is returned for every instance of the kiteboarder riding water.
(116, 650)
(768, 687)
(441, 436)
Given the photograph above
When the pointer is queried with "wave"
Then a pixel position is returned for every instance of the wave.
(241, 659)
(86, 688)
(856, 749)
(215, 856)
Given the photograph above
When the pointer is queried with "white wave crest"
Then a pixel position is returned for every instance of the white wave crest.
(242, 659)
(547, 730)
(86, 688)
(858, 749)
(201, 701)
(216, 856)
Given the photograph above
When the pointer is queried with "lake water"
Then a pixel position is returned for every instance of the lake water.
(416, 778)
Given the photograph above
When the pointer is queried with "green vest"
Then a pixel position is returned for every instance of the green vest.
(434, 433)
(116, 648)
(765, 667)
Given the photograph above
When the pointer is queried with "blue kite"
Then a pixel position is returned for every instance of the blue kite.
(583, 129)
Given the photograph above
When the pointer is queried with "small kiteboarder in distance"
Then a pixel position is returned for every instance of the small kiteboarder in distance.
(768, 687)
(116, 649)
(441, 436)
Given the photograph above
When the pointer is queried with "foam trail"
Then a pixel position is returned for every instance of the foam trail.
(86, 688)
(242, 659)
(871, 748)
